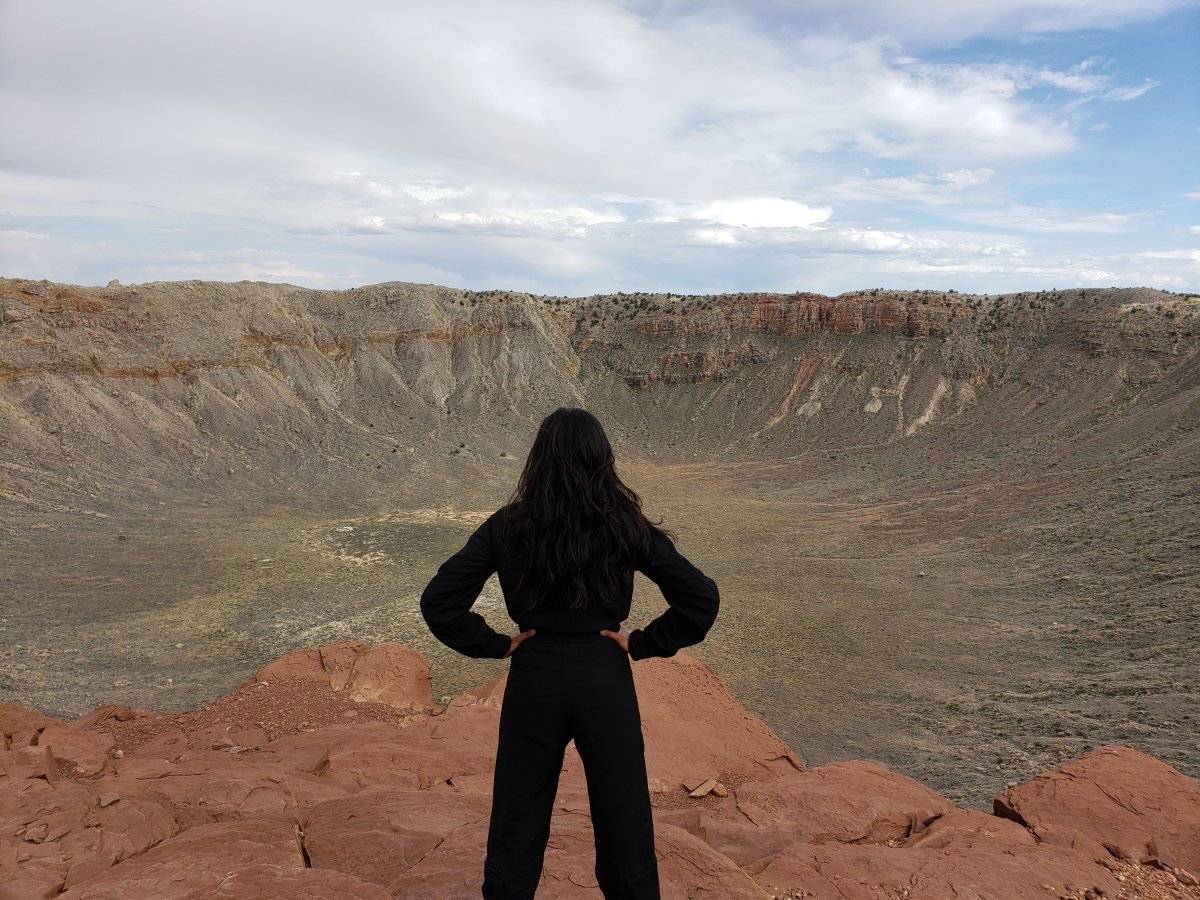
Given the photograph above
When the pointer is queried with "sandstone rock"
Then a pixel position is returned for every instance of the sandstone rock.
(377, 835)
(703, 788)
(226, 736)
(462, 741)
(309, 750)
(997, 865)
(708, 733)
(401, 808)
(111, 711)
(381, 673)
(19, 725)
(171, 744)
(55, 836)
(86, 750)
(687, 866)
(20, 764)
(207, 786)
(244, 860)
(490, 694)
(847, 802)
(1113, 800)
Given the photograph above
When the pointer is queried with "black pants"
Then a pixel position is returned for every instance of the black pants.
(563, 686)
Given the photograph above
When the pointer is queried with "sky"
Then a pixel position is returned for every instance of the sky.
(576, 147)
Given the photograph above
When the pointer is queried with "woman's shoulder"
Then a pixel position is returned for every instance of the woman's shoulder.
(498, 520)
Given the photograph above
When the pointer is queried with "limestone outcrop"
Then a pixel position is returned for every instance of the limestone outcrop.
(331, 773)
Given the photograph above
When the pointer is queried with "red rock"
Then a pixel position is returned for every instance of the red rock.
(692, 724)
(424, 752)
(86, 750)
(847, 802)
(378, 835)
(213, 786)
(305, 664)
(703, 788)
(102, 714)
(490, 694)
(51, 836)
(421, 755)
(393, 674)
(305, 751)
(687, 866)
(19, 725)
(170, 744)
(381, 673)
(1113, 800)
(246, 860)
(248, 736)
(963, 853)
(261, 881)
(401, 807)
(17, 765)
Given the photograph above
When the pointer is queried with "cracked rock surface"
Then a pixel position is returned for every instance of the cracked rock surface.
(275, 791)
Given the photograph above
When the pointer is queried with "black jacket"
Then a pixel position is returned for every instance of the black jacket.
(692, 598)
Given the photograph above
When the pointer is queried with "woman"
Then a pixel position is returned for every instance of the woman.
(565, 548)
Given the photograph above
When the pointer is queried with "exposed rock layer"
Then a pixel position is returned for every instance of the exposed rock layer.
(185, 382)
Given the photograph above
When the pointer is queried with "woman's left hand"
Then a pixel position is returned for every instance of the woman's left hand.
(621, 637)
(516, 639)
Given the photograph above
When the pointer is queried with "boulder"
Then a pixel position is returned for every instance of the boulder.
(19, 725)
(86, 751)
(1113, 800)
(378, 673)
(102, 715)
(846, 802)
(995, 863)
(692, 723)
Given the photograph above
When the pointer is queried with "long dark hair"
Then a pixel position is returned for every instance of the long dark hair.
(571, 518)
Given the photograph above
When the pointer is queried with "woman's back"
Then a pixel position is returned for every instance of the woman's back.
(693, 598)
(565, 548)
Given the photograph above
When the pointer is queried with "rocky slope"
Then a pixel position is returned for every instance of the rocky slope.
(332, 772)
(107, 389)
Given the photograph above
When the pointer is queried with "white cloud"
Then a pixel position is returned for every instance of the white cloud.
(762, 212)
(1055, 220)
(939, 189)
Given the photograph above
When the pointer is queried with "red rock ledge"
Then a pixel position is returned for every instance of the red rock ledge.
(332, 773)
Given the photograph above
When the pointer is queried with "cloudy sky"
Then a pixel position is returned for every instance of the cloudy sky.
(573, 148)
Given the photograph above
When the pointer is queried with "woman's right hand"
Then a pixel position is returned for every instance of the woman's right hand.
(621, 637)
(516, 639)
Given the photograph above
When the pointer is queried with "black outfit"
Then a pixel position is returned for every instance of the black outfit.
(567, 682)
